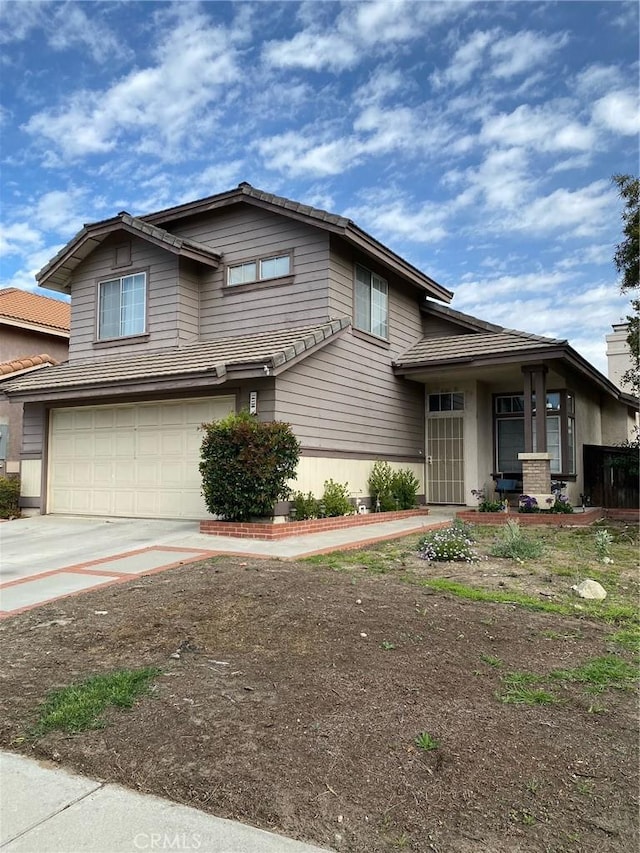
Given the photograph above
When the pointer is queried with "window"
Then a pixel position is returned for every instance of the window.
(371, 303)
(446, 402)
(509, 432)
(121, 306)
(259, 270)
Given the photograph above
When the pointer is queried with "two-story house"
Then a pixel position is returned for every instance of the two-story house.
(34, 333)
(249, 300)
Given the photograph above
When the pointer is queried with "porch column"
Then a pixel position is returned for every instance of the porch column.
(536, 477)
(535, 385)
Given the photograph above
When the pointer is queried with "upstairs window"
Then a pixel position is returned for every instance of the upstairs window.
(121, 306)
(371, 303)
(260, 269)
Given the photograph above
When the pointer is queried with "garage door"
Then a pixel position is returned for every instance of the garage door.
(134, 460)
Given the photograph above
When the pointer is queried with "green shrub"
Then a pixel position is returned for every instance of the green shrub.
(304, 506)
(484, 503)
(380, 485)
(512, 544)
(561, 505)
(245, 466)
(9, 497)
(448, 545)
(335, 499)
(392, 489)
(404, 488)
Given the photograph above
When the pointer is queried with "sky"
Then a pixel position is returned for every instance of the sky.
(476, 139)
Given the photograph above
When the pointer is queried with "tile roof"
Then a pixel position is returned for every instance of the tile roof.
(33, 309)
(264, 351)
(25, 362)
(470, 347)
(58, 270)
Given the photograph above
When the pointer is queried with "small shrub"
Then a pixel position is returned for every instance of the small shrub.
(304, 506)
(527, 503)
(512, 544)
(484, 504)
(380, 485)
(466, 530)
(603, 541)
(561, 505)
(9, 497)
(404, 488)
(245, 465)
(335, 499)
(447, 545)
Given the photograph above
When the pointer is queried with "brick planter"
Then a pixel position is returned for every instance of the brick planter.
(265, 530)
(528, 519)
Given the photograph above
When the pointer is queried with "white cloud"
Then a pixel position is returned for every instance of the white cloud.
(392, 218)
(517, 53)
(168, 105)
(65, 26)
(17, 20)
(582, 212)
(597, 79)
(619, 112)
(18, 237)
(544, 128)
(61, 211)
(71, 27)
(24, 278)
(501, 180)
(359, 30)
(296, 154)
(382, 83)
(313, 51)
(466, 60)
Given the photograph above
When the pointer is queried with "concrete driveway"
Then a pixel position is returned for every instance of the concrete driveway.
(48, 557)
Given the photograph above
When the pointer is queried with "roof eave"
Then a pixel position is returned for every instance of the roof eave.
(56, 275)
(359, 238)
(35, 327)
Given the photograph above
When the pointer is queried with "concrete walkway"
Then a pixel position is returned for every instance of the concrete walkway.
(46, 558)
(44, 809)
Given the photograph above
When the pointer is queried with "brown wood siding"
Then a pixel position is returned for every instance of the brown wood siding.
(243, 233)
(405, 321)
(33, 430)
(189, 285)
(162, 319)
(437, 327)
(346, 397)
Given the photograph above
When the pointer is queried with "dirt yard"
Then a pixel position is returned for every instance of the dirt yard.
(291, 696)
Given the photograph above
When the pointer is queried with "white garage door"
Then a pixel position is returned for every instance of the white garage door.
(133, 460)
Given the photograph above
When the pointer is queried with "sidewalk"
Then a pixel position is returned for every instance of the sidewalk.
(44, 809)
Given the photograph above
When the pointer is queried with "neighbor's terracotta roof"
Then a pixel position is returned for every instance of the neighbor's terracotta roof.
(470, 347)
(21, 306)
(26, 362)
(212, 361)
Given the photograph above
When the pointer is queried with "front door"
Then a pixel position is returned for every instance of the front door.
(445, 459)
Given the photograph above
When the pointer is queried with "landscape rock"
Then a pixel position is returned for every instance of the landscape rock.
(590, 589)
